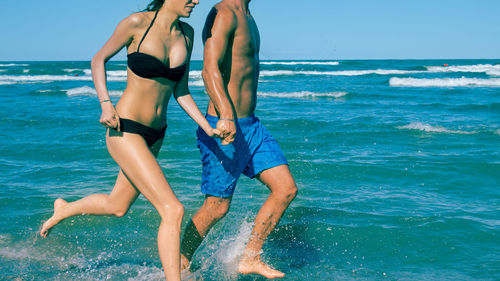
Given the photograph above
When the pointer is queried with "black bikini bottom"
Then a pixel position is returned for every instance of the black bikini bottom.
(150, 135)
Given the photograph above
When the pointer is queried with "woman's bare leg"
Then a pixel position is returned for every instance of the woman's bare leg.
(141, 168)
(116, 203)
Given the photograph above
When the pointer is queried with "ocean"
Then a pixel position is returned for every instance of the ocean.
(397, 164)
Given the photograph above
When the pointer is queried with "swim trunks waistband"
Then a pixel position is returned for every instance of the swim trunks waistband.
(245, 121)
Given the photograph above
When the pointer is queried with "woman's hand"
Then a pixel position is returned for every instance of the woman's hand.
(109, 116)
(211, 132)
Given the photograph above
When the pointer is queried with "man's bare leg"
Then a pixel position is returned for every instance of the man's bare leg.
(212, 210)
(283, 190)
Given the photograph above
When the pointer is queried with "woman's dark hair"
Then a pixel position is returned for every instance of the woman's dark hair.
(155, 5)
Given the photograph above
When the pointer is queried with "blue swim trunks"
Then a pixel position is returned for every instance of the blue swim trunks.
(252, 151)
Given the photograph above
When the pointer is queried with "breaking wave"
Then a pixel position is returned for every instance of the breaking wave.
(444, 82)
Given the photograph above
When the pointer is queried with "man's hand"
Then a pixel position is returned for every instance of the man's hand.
(227, 131)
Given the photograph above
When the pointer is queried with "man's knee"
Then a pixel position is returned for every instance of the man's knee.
(217, 207)
(287, 193)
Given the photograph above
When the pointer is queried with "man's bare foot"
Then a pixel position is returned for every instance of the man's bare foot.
(184, 263)
(55, 219)
(255, 265)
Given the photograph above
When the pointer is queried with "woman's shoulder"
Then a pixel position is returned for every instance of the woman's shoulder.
(139, 19)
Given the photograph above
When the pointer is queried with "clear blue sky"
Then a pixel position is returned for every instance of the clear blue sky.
(290, 29)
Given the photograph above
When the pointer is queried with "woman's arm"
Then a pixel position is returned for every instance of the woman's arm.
(183, 96)
(122, 36)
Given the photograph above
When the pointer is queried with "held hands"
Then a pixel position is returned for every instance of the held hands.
(227, 130)
(213, 133)
(109, 117)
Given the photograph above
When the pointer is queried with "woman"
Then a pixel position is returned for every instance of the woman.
(155, 40)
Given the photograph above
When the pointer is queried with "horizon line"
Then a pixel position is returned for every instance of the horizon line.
(319, 60)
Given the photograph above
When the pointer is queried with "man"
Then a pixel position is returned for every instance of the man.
(231, 73)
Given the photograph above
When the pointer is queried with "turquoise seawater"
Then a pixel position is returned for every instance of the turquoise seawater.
(397, 164)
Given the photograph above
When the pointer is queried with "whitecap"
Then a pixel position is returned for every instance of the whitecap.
(13, 64)
(89, 91)
(303, 94)
(493, 72)
(196, 83)
(300, 62)
(117, 73)
(123, 73)
(264, 73)
(51, 78)
(429, 128)
(478, 68)
(195, 74)
(444, 82)
(113, 73)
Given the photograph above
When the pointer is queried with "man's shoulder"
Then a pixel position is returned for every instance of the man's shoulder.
(224, 10)
(225, 18)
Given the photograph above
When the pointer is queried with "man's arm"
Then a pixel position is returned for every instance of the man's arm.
(216, 46)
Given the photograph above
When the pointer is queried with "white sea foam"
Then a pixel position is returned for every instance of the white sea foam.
(89, 91)
(4, 238)
(113, 73)
(7, 83)
(195, 74)
(300, 62)
(464, 68)
(196, 83)
(221, 250)
(72, 69)
(444, 82)
(24, 253)
(13, 64)
(77, 266)
(303, 94)
(223, 258)
(26, 70)
(230, 252)
(486, 68)
(117, 73)
(264, 73)
(497, 132)
(493, 72)
(429, 128)
(51, 78)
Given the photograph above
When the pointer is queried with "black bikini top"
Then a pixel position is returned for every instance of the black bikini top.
(148, 66)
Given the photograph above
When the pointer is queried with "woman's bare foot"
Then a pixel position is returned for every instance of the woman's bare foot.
(255, 265)
(55, 219)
